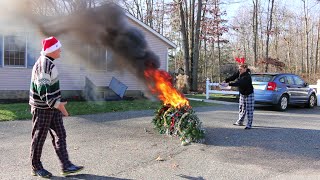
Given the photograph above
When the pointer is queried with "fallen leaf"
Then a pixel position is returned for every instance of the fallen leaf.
(175, 165)
(159, 159)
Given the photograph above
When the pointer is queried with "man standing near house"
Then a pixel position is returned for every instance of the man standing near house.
(47, 110)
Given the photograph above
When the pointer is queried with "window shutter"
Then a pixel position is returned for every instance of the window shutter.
(1, 50)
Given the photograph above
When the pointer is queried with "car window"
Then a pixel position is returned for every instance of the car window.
(261, 77)
(290, 80)
(298, 80)
(282, 80)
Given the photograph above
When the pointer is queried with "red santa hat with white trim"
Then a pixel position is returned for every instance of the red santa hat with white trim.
(50, 45)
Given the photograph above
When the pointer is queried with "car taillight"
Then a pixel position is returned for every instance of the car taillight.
(271, 86)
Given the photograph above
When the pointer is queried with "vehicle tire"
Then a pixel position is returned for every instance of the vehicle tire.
(283, 103)
(312, 101)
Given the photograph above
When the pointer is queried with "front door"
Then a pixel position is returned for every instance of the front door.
(292, 89)
(302, 89)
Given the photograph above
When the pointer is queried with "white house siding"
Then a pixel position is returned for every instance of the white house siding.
(19, 78)
(70, 75)
(15, 78)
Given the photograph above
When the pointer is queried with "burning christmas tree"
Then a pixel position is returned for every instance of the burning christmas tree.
(175, 116)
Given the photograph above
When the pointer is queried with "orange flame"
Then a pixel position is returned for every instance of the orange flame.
(159, 82)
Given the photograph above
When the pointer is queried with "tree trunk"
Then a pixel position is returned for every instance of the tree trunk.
(192, 29)
(203, 64)
(204, 42)
(288, 52)
(149, 18)
(196, 49)
(306, 21)
(255, 30)
(213, 62)
(269, 27)
(261, 36)
(184, 38)
(317, 49)
(162, 18)
(302, 53)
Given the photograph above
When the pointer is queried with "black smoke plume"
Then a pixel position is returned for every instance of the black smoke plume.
(107, 27)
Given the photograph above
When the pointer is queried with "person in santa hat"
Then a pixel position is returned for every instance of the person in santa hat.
(47, 110)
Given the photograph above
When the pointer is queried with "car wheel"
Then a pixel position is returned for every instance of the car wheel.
(311, 101)
(283, 103)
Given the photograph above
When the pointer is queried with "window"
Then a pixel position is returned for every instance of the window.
(14, 51)
(262, 77)
(282, 80)
(97, 59)
(110, 62)
(298, 81)
(290, 80)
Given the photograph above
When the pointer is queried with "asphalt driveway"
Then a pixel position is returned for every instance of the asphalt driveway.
(281, 145)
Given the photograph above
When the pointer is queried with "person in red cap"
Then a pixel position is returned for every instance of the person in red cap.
(246, 100)
(47, 110)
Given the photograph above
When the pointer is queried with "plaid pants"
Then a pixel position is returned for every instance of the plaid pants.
(45, 120)
(246, 106)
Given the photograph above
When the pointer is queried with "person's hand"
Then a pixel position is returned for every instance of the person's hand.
(62, 108)
(224, 84)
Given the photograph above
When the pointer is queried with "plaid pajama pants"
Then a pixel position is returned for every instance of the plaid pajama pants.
(45, 120)
(246, 106)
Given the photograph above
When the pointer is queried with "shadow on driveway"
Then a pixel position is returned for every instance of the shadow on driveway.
(86, 177)
(292, 141)
(291, 109)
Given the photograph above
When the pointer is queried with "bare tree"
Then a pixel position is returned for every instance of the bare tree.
(255, 29)
(307, 31)
(184, 32)
(63, 7)
(195, 64)
(317, 48)
(269, 27)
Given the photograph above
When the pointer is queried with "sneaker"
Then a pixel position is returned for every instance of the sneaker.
(41, 173)
(238, 124)
(247, 127)
(71, 169)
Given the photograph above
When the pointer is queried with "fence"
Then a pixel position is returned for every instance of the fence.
(209, 91)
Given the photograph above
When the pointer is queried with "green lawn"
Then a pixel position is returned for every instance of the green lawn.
(21, 111)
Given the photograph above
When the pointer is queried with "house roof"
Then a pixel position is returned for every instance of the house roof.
(172, 45)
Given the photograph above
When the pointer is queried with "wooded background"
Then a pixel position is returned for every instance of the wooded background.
(271, 35)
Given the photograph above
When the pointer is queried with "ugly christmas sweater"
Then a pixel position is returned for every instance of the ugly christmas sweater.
(44, 88)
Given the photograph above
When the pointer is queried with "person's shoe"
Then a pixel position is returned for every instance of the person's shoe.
(41, 173)
(71, 169)
(247, 127)
(238, 124)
